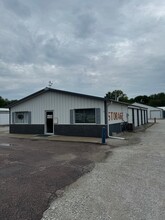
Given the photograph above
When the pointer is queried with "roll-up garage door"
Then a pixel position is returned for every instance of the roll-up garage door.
(155, 114)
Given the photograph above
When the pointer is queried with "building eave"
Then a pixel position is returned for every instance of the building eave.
(117, 102)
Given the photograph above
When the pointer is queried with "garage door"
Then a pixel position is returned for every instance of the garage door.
(155, 114)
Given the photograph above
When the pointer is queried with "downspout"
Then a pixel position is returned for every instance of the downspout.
(112, 137)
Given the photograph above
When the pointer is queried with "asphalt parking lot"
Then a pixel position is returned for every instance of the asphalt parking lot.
(34, 172)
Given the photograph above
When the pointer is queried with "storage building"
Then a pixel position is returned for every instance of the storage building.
(117, 114)
(137, 116)
(163, 108)
(153, 112)
(51, 111)
(122, 116)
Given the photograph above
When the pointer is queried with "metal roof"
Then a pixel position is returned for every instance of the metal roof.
(137, 107)
(117, 102)
(162, 108)
(144, 105)
(4, 109)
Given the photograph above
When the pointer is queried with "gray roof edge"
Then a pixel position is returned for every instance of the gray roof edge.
(118, 102)
(136, 106)
(145, 105)
(162, 107)
(127, 104)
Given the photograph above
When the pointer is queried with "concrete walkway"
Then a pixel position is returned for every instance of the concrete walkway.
(130, 184)
(4, 131)
(57, 138)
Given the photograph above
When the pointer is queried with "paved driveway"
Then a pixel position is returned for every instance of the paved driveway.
(33, 171)
(129, 185)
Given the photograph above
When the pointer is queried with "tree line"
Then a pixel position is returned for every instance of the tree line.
(4, 103)
(155, 100)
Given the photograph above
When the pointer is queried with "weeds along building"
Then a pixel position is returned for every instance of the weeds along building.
(51, 111)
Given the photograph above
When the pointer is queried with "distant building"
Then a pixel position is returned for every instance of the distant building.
(52, 111)
(163, 108)
(4, 116)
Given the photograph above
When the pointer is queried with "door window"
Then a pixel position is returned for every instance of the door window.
(49, 122)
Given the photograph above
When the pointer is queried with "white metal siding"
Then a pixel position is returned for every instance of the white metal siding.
(140, 117)
(119, 108)
(135, 118)
(130, 115)
(145, 116)
(60, 103)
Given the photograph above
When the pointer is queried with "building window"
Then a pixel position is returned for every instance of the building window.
(85, 115)
(22, 117)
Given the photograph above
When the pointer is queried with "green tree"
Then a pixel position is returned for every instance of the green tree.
(5, 102)
(2, 102)
(154, 100)
(157, 100)
(117, 95)
(142, 99)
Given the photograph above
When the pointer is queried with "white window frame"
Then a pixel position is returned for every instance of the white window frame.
(85, 123)
(24, 120)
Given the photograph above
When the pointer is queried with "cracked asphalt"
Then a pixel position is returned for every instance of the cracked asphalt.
(128, 185)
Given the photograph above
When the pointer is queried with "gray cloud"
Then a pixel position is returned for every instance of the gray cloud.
(84, 46)
(17, 7)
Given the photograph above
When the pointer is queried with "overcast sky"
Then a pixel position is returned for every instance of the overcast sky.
(89, 46)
